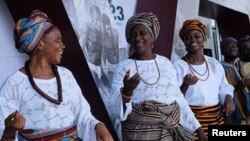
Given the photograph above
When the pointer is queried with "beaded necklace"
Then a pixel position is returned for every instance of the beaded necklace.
(158, 70)
(58, 80)
(192, 70)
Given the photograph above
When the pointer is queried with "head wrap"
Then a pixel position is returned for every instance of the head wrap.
(226, 40)
(243, 41)
(29, 31)
(193, 24)
(149, 20)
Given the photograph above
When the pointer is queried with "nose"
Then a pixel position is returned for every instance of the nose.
(62, 45)
(137, 36)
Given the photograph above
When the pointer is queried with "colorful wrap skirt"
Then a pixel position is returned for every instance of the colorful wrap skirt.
(208, 115)
(152, 120)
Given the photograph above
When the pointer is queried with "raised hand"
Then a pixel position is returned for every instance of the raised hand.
(13, 122)
(190, 80)
(130, 83)
(102, 133)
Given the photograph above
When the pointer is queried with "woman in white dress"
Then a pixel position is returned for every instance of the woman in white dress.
(145, 92)
(202, 78)
(42, 101)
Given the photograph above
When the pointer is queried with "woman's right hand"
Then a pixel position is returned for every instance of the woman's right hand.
(130, 83)
(13, 122)
(190, 80)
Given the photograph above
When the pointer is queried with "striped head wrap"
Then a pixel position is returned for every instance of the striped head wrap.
(193, 24)
(226, 40)
(149, 20)
(29, 31)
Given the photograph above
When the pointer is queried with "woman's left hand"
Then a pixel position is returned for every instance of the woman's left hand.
(102, 133)
(229, 105)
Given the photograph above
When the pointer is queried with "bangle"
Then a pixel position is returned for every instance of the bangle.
(11, 138)
(125, 96)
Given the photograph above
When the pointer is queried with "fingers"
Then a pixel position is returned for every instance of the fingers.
(13, 115)
(10, 118)
(226, 110)
(229, 108)
(135, 77)
(126, 77)
(102, 133)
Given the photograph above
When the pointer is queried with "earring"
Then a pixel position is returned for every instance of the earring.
(40, 51)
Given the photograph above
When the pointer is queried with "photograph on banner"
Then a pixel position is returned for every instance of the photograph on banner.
(98, 34)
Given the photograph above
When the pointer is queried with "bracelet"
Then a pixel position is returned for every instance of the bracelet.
(4, 138)
(125, 96)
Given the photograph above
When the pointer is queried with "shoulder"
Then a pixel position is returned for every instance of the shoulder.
(163, 59)
(213, 61)
(63, 71)
(14, 79)
(125, 63)
(180, 63)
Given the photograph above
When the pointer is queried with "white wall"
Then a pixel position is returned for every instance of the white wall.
(10, 58)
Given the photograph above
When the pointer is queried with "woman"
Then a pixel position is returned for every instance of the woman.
(234, 77)
(201, 78)
(152, 105)
(44, 101)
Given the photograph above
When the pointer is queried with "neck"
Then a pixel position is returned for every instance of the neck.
(230, 60)
(144, 57)
(40, 68)
(195, 58)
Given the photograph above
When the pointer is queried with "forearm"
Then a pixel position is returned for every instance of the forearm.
(9, 134)
(184, 88)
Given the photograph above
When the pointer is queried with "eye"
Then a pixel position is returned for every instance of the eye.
(143, 33)
(59, 40)
(197, 36)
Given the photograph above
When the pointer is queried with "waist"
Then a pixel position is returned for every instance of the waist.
(69, 133)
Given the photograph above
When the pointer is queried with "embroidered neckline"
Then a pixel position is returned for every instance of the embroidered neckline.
(192, 70)
(158, 70)
(39, 91)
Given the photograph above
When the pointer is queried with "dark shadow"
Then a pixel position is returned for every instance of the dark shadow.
(230, 22)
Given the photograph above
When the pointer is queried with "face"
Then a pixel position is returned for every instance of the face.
(247, 52)
(52, 46)
(230, 50)
(141, 40)
(193, 41)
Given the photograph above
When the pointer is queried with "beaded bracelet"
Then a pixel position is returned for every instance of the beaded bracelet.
(4, 138)
(125, 96)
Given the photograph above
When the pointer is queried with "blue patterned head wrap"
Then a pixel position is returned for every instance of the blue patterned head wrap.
(29, 31)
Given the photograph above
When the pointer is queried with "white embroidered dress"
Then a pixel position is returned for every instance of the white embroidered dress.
(166, 90)
(205, 93)
(18, 94)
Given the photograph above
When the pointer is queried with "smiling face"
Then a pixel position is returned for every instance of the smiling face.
(193, 41)
(141, 40)
(52, 46)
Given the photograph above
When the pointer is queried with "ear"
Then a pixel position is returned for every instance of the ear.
(41, 44)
